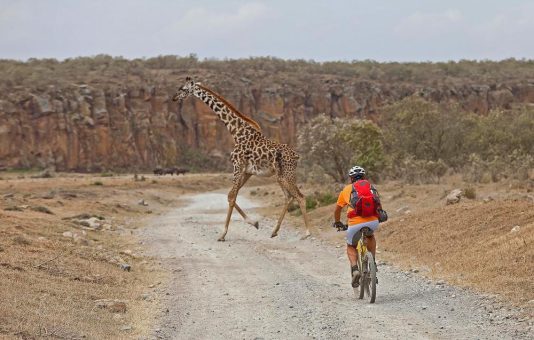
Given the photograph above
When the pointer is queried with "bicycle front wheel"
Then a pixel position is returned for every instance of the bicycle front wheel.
(371, 283)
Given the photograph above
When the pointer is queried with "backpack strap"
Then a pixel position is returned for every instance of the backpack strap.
(353, 195)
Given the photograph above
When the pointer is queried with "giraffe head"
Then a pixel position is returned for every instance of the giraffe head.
(186, 90)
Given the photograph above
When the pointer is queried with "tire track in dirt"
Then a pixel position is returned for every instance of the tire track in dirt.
(255, 287)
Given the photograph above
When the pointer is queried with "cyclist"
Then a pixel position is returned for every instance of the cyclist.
(354, 195)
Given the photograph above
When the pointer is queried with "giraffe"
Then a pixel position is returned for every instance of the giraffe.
(253, 154)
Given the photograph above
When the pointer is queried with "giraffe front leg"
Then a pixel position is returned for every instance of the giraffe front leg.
(231, 204)
(239, 179)
(281, 218)
(302, 204)
(255, 224)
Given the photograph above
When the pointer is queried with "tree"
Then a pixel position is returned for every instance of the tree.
(427, 131)
(336, 144)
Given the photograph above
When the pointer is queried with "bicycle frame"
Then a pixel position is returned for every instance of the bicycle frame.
(368, 278)
(361, 247)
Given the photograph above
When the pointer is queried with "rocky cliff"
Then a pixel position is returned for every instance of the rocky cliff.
(96, 126)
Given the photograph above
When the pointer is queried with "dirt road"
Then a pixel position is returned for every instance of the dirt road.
(255, 287)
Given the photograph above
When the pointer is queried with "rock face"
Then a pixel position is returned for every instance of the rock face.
(101, 126)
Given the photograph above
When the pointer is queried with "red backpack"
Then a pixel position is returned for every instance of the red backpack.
(362, 200)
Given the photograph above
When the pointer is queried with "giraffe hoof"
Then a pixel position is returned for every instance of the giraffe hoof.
(274, 235)
(305, 236)
(256, 225)
(221, 239)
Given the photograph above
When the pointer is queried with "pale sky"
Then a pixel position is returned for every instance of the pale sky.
(382, 30)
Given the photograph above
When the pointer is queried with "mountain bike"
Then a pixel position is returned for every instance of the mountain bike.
(367, 267)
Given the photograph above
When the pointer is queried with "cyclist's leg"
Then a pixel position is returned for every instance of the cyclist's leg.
(352, 237)
(352, 254)
(371, 244)
(370, 237)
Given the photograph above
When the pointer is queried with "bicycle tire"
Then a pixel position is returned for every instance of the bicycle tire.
(363, 276)
(372, 277)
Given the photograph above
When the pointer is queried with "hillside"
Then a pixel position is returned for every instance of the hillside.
(94, 114)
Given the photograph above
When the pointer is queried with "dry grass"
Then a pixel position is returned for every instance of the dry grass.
(49, 282)
(469, 244)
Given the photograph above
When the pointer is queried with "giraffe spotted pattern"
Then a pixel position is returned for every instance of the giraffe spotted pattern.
(253, 154)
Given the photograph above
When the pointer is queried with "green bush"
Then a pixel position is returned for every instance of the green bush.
(198, 160)
(424, 140)
(311, 203)
(326, 199)
(335, 145)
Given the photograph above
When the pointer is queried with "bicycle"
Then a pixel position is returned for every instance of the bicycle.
(366, 265)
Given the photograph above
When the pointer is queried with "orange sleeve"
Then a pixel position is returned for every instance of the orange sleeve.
(341, 199)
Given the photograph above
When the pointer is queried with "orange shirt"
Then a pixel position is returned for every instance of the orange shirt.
(344, 199)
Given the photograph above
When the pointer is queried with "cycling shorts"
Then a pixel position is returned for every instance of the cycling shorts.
(354, 231)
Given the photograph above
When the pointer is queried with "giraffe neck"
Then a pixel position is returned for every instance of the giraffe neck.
(234, 120)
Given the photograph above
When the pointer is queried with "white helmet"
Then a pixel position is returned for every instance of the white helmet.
(356, 171)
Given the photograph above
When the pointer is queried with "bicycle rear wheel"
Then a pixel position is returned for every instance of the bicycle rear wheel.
(371, 277)
(362, 264)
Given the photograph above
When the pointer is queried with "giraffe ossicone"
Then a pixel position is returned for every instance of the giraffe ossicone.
(253, 154)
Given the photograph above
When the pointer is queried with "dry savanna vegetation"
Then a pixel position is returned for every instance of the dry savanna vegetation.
(420, 142)
(44, 72)
(63, 278)
(59, 278)
(72, 265)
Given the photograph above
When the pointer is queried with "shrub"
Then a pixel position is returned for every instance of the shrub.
(425, 130)
(40, 208)
(198, 160)
(334, 145)
(311, 203)
(418, 171)
(326, 199)
(470, 193)
(21, 240)
(98, 183)
(293, 206)
(516, 165)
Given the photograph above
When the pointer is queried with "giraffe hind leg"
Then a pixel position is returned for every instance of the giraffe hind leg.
(281, 218)
(295, 192)
(255, 224)
(302, 204)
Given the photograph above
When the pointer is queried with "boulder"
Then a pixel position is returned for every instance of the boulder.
(403, 209)
(92, 223)
(454, 196)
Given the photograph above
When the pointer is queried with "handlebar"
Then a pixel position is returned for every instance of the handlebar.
(339, 227)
